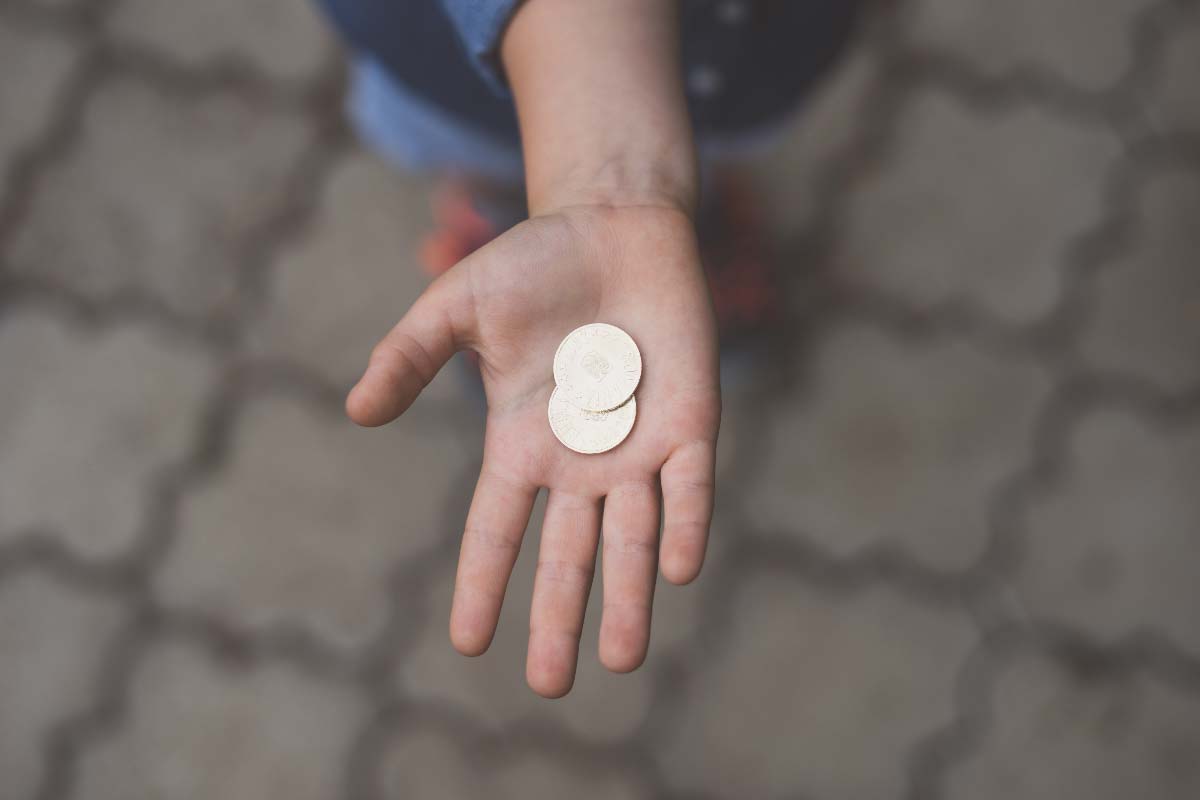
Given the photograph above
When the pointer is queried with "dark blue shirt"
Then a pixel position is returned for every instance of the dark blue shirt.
(747, 63)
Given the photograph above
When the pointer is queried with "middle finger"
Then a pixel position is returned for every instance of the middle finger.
(566, 563)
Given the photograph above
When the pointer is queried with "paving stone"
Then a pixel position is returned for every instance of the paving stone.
(1112, 549)
(285, 38)
(52, 638)
(745, 384)
(831, 118)
(353, 274)
(54, 5)
(197, 729)
(35, 66)
(1145, 315)
(424, 764)
(308, 518)
(87, 419)
(536, 776)
(1056, 733)
(1171, 103)
(159, 194)
(1002, 38)
(602, 706)
(900, 446)
(816, 694)
(976, 207)
(897, 441)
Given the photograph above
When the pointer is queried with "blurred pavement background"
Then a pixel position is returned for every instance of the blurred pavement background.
(957, 547)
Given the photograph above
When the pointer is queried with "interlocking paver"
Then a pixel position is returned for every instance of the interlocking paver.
(1002, 38)
(976, 206)
(88, 419)
(602, 706)
(849, 683)
(1145, 318)
(427, 764)
(952, 167)
(1171, 102)
(830, 121)
(285, 38)
(52, 639)
(198, 728)
(739, 392)
(35, 66)
(1112, 547)
(433, 765)
(899, 445)
(535, 776)
(1058, 732)
(160, 194)
(339, 287)
(56, 5)
(281, 536)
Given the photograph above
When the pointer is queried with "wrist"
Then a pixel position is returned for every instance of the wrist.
(667, 181)
(600, 103)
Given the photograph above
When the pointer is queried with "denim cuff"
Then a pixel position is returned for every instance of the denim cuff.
(480, 25)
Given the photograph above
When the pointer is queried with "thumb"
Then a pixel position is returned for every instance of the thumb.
(412, 353)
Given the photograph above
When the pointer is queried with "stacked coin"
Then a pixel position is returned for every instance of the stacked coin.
(596, 369)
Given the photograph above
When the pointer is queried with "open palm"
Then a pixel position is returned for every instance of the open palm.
(512, 302)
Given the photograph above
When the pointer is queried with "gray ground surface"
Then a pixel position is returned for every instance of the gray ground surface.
(958, 537)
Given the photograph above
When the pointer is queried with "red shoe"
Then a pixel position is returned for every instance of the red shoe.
(741, 274)
(461, 228)
(733, 248)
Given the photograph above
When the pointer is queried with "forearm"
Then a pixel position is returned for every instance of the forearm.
(600, 103)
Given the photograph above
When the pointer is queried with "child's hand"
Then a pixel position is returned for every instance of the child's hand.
(610, 173)
(512, 302)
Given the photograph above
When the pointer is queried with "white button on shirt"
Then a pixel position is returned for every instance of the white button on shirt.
(732, 12)
(704, 81)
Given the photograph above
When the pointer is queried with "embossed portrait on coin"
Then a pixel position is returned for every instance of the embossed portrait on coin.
(595, 365)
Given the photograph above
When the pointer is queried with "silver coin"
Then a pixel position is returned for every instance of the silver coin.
(590, 431)
(597, 367)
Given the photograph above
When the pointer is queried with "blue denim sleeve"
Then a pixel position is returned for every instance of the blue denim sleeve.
(480, 24)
